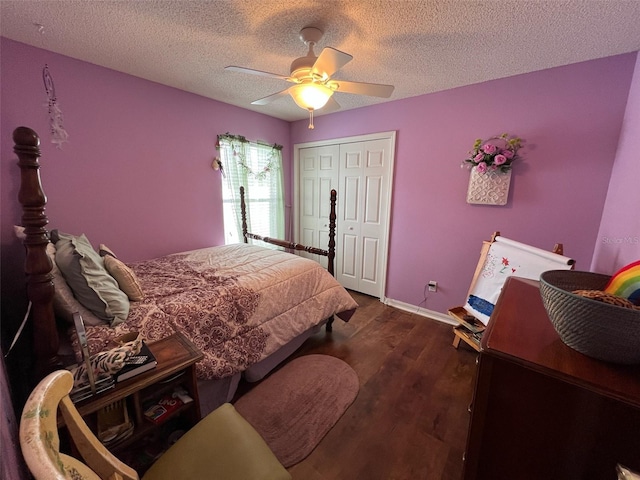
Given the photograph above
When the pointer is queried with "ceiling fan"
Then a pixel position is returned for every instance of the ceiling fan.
(313, 86)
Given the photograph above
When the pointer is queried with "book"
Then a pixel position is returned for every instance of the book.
(137, 364)
(472, 323)
(114, 424)
(95, 385)
(102, 384)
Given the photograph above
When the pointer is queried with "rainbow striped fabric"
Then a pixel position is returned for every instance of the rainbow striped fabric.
(625, 283)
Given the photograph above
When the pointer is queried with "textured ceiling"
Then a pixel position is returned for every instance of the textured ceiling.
(418, 46)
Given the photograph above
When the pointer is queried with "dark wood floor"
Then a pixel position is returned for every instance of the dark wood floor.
(410, 418)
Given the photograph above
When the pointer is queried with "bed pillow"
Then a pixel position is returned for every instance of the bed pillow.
(92, 285)
(126, 278)
(104, 251)
(19, 231)
(64, 303)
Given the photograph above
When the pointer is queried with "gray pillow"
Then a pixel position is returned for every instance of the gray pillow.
(64, 303)
(93, 287)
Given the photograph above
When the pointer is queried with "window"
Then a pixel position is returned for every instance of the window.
(258, 168)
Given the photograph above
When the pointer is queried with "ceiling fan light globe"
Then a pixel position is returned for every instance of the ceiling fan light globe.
(310, 96)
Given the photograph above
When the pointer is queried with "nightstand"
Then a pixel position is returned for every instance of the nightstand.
(176, 357)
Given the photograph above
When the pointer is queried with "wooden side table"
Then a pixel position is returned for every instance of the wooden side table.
(543, 410)
(176, 357)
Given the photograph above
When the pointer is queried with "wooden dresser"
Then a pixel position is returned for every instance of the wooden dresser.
(541, 410)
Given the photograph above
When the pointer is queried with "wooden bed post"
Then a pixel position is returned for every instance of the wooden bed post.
(38, 266)
(330, 253)
(243, 213)
(332, 233)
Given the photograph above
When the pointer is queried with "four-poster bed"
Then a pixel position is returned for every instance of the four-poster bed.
(246, 307)
(330, 252)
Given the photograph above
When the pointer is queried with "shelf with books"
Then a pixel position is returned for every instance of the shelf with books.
(470, 329)
(176, 357)
(161, 409)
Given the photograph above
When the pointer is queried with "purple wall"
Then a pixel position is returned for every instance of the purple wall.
(570, 118)
(618, 242)
(136, 174)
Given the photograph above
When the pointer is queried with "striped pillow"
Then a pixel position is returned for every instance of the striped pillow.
(105, 363)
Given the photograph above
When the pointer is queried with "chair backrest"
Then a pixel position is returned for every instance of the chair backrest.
(40, 442)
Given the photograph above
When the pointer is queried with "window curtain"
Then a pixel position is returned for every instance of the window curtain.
(257, 167)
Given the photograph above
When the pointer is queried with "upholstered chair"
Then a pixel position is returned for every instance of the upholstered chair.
(221, 446)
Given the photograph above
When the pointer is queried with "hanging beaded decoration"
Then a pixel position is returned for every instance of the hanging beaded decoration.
(58, 134)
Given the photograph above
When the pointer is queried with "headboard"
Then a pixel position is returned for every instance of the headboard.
(37, 264)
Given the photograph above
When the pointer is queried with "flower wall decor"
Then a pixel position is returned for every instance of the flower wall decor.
(491, 162)
(496, 154)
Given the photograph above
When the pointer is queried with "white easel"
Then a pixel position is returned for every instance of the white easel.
(471, 328)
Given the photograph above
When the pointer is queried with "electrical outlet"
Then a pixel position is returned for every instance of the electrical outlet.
(433, 286)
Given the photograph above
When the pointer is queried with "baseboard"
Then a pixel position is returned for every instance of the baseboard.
(424, 312)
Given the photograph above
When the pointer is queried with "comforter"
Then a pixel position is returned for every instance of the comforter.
(237, 303)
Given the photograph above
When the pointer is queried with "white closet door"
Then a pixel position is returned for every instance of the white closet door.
(348, 255)
(361, 170)
(364, 179)
(318, 176)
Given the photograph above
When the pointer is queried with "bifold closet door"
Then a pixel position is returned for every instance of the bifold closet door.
(364, 177)
(318, 176)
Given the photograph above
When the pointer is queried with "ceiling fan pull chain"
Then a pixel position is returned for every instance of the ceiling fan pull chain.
(311, 119)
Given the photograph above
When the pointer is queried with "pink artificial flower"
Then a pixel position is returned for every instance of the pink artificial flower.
(489, 148)
(478, 158)
(507, 153)
(500, 159)
(482, 167)
(492, 168)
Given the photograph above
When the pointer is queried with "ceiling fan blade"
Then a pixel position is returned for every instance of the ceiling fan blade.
(361, 88)
(330, 61)
(331, 106)
(270, 98)
(233, 68)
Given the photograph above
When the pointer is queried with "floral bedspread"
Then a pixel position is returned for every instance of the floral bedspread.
(236, 303)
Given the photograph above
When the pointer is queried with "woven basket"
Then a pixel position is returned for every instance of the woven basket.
(599, 330)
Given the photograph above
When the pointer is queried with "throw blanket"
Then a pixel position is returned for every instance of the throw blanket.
(237, 303)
